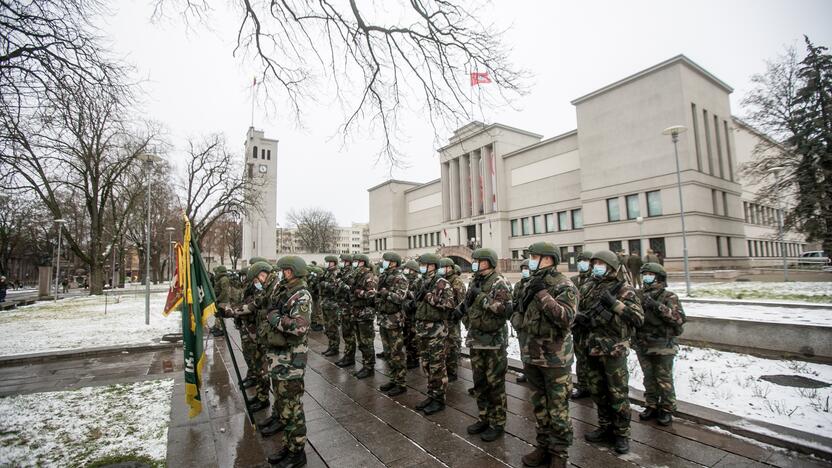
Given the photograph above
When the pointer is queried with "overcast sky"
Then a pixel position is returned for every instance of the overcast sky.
(194, 86)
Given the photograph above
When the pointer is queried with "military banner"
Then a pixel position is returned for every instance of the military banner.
(175, 291)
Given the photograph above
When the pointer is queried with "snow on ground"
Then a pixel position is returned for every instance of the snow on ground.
(730, 382)
(74, 428)
(81, 322)
(792, 315)
(808, 291)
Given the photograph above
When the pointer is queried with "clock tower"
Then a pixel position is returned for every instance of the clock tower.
(260, 222)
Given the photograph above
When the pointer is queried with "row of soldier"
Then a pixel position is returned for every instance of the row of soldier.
(420, 307)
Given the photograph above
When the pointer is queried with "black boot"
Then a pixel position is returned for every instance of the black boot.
(267, 422)
(477, 428)
(412, 364)
(259, 405)
(273, 428)
(648, 414)
(452, 376)
(665, 418)
(422, 404)
(381, 355)
(396, 390)
(364, 373)
(472, 391)
(330, 352)
(293, 460)
(621, 444)
(317, 327)
(538, 457)
(491, 434)
(435, 406)
(521, 378)
(558, 461)
(387, 387)
(602, 434)
(579, 393)
(345, 362)
(249, 382)
(276, 458)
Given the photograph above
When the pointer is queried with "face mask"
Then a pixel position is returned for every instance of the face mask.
(583, 265)
(340, 264)
(423, 269)
(441, 271)
(648, 279)
(525, 273)
(599, 270)
(355, 264)
(280, 276)
(385, 264)
(475, 267)
(406, 271)
(258, 286)
(533, 264)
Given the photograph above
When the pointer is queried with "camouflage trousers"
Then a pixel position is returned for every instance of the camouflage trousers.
(489, 367)
(396, 361)
(432, 358)
(331, 324)
(411, 343)
(288, 396)
(550, 399)
(348, 332)
(608, 383)
(365, 334)
(659, 391)
(317, 313)
(385, 340)
(581, 353)
(253, 355)
(454, 344)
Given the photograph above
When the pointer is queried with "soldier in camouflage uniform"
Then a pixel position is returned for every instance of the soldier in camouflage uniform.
(434, 303)
(546, 311)
(609, 307)
(485, 311)
(313, 284)
(454, 342)
(382, 332)
(364, 288)
(411, 343)
(345, 315)
(517, 302)
(580, 331)
(284, 328)
(392, 292)
(655, 343)
(329, 304)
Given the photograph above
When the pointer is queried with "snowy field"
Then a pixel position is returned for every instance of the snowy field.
(801, 291)
(81, 322)
(793, 315)
(730, 382)
(75, 428)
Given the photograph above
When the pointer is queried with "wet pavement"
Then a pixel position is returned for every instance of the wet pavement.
(351, 424)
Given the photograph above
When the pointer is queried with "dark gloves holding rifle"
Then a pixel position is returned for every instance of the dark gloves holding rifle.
(608, 299)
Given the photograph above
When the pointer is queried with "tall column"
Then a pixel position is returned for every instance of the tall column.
(453, 178)
(487, 180)
(476, 193)
(465, 186)
(446, 192)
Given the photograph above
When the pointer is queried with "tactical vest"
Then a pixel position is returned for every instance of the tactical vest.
(359, 281)
(426, 312)
(479, 318)
(385, 281)
(538, 323)
(655, 331)
(282, 302)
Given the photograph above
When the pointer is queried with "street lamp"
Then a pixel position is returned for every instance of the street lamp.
(148, 160)
(674, 132)
(170, 251)
(776, 171)
(640, 222)
(60, 222)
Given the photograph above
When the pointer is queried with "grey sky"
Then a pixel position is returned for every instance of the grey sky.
(194, 85)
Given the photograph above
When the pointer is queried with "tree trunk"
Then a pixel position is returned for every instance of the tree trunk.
(96, 278)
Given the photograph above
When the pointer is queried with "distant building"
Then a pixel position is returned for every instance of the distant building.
(609, 184)
(349, 239)
(260, 163)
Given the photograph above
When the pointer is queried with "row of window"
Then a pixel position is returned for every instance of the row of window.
(428, 239)
(541, 224)
(381, 244)
(721, 137)
(719, 200)
(264, 154)
(564, 251)
(633, 205)
(760, 214)
(772, 249)
(634, 245)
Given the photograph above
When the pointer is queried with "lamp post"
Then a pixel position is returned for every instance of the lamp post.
(674, 132)
(148, 160)
(60, 222)
(640, 222)
(776, 171)
(170, 251)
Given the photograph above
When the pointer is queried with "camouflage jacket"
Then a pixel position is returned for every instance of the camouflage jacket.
(343, 292)
(547, 310)
(579, 330)
(223, 290)
(435, 299)
(328, 286)
(414, 285)
(363, 293)
(392, 292)
(610, 328)
(312, 285)
(287, 321)
(458, 286)
(487, 306)
(662, 324)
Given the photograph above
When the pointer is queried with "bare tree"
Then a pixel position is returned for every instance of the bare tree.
(316, 229)
(416, 55)
(234, 239)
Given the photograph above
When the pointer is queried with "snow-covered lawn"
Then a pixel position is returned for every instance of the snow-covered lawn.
(805, 291)
(794, 315)
(81, 322)
(77, 427)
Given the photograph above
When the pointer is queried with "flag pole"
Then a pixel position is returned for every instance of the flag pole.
(253, 87)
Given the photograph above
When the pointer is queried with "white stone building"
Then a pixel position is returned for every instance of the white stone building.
(588, 188)
(349, 239)
(259, 225)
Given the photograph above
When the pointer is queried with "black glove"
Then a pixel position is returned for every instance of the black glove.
(608, 299)
(582, 320)
(458, 312)
(651, 303)
(536, 285)
(473, 292)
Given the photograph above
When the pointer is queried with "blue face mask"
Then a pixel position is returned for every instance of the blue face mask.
(440, 271)
(258, 285)
(406, 271)
(534, 264)
(475, 267)
(355, 264)
(648, 279)
(423, 269)
(525, 273)
(385, 264)
(583, 265)
(599, 270)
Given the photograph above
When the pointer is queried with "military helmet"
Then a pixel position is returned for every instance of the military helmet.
(220, 270)
(331, 258)
(608, 257)
(545, 249)
(254, 260)
(485, 254)
(583, 255)
(346, 257)
(412, 265)
(362, 258)
(654, 268)
(294, 263)
(524, 263)
(243, 271)
(446, 262)
(257, 268)
(429, 258)
(392, 257)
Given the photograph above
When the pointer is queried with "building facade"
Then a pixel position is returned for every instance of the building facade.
(609, 184)
(260, 164)
(353, 239)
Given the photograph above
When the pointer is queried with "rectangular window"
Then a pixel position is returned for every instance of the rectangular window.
(537, 224)
(563, 252)
(657, 246)
(612, 210)
(577, 219)
(654, 203)
(562, 226)
(550, 222)
(745, 211)
(728, 245)
(515, 254)
(615, 246)
(262, 154)
(514, 228)
(724, 204)
(385, 243)
(526, 226)
(750, 251)
(420, 241)
(254, 153)
(376, 244)
(633, 211)
(718, 142)
(432, 240)
(728, 151)
(708, 142)
(714, 202)
(268, 155)
(578, 248)
(718, 246)
(696, 136)
(409, 242)
(634, 245)
(250, 170)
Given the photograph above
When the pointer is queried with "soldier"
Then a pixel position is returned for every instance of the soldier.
(548, 309)
(313, 279)
(580, 329)
(634, 264)
(517, 303)
(382, 332)
(364, 287)
(287, 323)
(411, 344)
(434, 304)
(329, 304)
(454, 342)
(614, 313)
(485, 310)
(655, 343)
(392, 292)
(347, 324)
